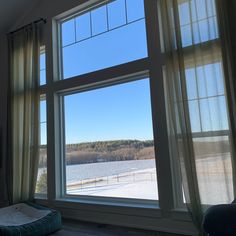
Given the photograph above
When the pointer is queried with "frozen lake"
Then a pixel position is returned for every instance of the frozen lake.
(76, 173)
(123, 179)
(137, 179)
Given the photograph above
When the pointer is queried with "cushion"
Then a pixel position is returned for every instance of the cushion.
(28, 219)
(219, 220)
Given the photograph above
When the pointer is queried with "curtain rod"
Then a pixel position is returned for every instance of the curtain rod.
(43, 20)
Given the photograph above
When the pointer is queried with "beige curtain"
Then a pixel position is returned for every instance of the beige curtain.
(226, 18)
(199, 128)
(24, 115)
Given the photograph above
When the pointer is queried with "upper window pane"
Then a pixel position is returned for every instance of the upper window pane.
(42, 65)
(198, 21)
(206, 98)
(83, 27)
(99, 20)
(103, 37)
(68, 32)
(135, 10)
(116, 14)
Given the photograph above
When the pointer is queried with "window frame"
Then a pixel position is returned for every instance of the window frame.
(42, 97)
(141, 68)
(170, 198)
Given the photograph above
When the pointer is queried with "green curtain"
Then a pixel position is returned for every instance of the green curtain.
(24, 112)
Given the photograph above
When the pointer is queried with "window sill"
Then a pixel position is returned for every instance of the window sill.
(136, 215)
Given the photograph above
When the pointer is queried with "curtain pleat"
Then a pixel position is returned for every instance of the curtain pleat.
(226, 19)
(24, 114)
(200, 102)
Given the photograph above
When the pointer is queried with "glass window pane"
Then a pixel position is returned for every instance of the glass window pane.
(211, 80)
(83, 27)
(193, 10)
(201, 9)
(198, 21)
(184, 13)
(213, 28)
(43, 133)
(43, 111)
(191, 83)
(42, 61)
(68, 32)
(41, 185)
(214, 169)
(105, 47)
(116, 14)
(109, 142)
(194, 116)
(196, 33)
(42, 77)
(219, 78)
(112, 48)
(211, 8)
(99, 20)
(214, 114)
(135, 10)
(186, 36)
(42, 66)
(201, 81)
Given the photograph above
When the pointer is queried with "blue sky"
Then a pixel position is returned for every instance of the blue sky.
(112, 36)
(112, 113)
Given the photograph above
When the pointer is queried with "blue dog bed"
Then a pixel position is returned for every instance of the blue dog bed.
(28, 219)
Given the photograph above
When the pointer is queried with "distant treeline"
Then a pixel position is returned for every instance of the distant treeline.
(103, 151)
(121, 150)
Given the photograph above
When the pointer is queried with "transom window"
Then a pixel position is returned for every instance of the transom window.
(106, 36)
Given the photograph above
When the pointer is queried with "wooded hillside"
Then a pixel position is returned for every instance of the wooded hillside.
(121, 150)
(103, 151)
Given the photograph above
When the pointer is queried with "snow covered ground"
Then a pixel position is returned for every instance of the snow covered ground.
(137, 184)
(137, 179)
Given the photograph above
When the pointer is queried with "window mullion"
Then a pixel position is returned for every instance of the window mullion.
(53, 177)
(163, 161)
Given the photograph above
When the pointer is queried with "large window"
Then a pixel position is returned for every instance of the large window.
(107, 131)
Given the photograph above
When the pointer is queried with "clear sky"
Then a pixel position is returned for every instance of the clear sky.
(116, 34)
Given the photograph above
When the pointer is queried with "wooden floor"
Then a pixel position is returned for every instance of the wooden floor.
(91, 229)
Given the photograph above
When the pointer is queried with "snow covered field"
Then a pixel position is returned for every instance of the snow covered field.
(126, 179)
(137, 179)
(136, 184)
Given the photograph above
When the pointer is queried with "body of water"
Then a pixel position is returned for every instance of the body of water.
(75, 173)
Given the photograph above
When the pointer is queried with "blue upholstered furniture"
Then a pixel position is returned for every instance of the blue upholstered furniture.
(220, 220)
